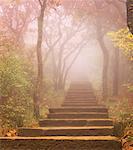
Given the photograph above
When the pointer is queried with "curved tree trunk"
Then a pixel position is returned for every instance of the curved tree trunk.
(100, 38)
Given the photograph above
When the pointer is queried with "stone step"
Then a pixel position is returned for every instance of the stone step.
(80, 103)
(80, 110)
(77, 86)
(61, 143)
(80, 95)
(77, 105)
(84, 91)
(75, 122)
(66, 131)
(80, 83)
(80, 99)
(72, 115)
(80, 92)
(80, 88)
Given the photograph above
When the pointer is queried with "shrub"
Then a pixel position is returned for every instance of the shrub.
(122, 113)
(15, 92)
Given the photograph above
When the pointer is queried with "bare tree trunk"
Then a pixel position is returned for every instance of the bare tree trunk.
(105, 69)
(59, 72)
(39, 81)
(55, 76)
(116, 73)
(100, 38)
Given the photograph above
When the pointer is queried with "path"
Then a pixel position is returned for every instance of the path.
(80, 124)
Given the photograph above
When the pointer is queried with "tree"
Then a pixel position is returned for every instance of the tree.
(123, 39)
(107, 23)
(39, 81)
(62, 43)
(15, 18)
(100, 37)
(104, 22)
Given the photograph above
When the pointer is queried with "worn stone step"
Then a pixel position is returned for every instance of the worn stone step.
(77, 105)
(81, 89)
(66, 131)
(79, 93)
(73, 115)
(80, 99)
(73, 109)
(77, 86)
(80, 83)
(75, 122)
(80, 96)
(61, 143)
(80, 103)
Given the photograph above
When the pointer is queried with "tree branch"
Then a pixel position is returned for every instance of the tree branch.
(41, 4)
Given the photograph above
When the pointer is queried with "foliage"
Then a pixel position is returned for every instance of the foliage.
(123, 39)
(15, 91)
(7, 44)
(51, 98)
(129, 87)
(54, 98)
(122, 113)
(127, 140)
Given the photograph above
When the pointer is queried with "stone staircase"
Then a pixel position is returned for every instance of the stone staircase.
(80, 123)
